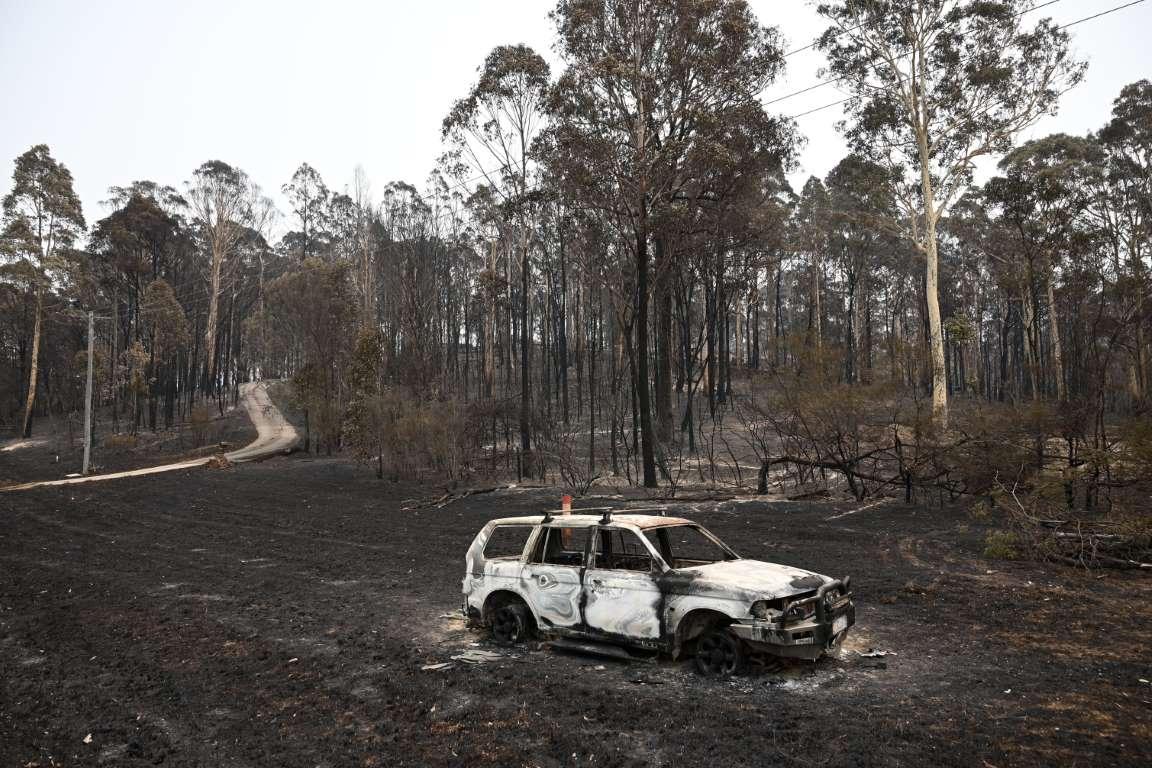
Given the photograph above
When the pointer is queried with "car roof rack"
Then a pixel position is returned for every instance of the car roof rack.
(609, 511)
(550, 514)
(605, 512)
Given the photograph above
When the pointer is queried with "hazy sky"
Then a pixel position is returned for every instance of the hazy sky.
(123, 90)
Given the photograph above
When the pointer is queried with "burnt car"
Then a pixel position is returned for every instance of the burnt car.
(648, 581)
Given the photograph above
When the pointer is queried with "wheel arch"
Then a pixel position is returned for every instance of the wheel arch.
(695, 623)
(498, 598)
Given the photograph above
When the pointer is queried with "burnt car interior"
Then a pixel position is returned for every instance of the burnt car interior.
(507, 542)
(620, 550)
(685, 546)
(561, 546)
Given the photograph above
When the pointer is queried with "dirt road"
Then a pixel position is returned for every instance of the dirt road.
(274, 435)
(280, 613)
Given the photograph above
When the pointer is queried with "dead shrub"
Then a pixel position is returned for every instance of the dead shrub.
(566, 449)
(200, 424)
(410, 437)
(121, 442)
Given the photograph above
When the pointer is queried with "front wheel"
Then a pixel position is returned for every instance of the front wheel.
(719, 653)
(511, 624)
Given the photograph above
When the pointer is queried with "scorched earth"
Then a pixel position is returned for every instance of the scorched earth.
(300, 613)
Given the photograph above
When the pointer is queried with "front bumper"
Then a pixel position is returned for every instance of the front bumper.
(808, 638)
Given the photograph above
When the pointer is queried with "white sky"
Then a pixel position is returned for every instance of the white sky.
(127, 89)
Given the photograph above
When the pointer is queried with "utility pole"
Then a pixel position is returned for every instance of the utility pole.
(88, 397)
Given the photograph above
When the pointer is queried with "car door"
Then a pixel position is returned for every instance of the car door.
(621, 597)
(552, 575)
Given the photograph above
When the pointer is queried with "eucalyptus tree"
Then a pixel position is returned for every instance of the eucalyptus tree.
(934, 85)
(1126, 211)
(1040, 197)
(227, 206)
(129, 247)
(166, 197)
(309, 199)
(491, 132)
(859, 206)
(41, 220)
(811, 229)
(127, 250)
(648, 82)
(168, 336)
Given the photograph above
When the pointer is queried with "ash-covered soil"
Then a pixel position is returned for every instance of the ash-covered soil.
(280, 614)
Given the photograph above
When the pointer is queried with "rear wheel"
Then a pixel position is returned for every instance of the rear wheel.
(719, 653)
(511, 624)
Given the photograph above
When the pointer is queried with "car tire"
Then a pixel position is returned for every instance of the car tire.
(719, 653)
(511, 624)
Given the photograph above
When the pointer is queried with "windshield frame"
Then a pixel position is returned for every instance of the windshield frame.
(657, 550)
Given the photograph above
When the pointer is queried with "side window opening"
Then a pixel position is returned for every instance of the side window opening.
(507, 542)
(621, 550)
(561, 546)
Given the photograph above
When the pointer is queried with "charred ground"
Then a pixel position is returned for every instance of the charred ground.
(55, 454)
(280, 614)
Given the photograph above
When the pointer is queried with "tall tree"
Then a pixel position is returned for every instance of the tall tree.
(42, 218)
(859, 207)
(227, 204)
(1127, 209)
(936, 84)
(1040, 197)
(647, 82)
(492, 130)
(309, 198)
(811, 219)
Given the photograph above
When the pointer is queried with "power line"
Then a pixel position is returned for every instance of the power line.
(823, 83)
(816, 40)
(199, 303)
(1102, 13)
(819, 109)
(849, 98)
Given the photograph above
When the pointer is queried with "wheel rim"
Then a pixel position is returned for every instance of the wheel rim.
(718, 654)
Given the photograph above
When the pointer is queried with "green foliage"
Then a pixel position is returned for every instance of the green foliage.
(133, 368)
(968, 109)
(42, 216)
(165, 317)
(981, 511)
(309, 199)
(1002, 545)
(312, 309)
(368, 413)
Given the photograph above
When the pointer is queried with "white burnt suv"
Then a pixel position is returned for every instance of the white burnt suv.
(648, 581)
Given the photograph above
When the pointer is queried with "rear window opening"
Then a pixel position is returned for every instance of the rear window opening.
(507, 542)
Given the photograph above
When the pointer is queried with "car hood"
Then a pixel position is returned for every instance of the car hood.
(751, 577)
